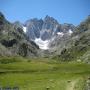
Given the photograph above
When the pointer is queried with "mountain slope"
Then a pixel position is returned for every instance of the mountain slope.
(13, 41)
(78, 46)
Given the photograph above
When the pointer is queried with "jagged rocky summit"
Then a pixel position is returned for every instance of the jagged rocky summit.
(43, 32)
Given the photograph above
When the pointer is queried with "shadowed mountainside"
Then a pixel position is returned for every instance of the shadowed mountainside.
(13, 41)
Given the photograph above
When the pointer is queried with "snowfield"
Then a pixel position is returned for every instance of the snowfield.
(42, 44)
(24, 29)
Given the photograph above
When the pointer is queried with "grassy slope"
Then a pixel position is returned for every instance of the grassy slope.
(40, 74)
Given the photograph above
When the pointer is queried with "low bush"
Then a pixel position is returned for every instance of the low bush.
(6, 60)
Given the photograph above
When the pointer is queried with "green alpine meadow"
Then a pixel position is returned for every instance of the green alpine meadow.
(43, 74)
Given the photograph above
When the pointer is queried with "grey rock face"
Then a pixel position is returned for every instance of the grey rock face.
(66, 27)
(41, 28)
(46, 29)
(33, 28)
(13, 41)
(49, 28)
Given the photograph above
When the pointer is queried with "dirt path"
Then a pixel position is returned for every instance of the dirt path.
(71, 85)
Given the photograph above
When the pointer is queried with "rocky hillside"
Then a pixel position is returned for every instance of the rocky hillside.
(13, 41)
(77, 47)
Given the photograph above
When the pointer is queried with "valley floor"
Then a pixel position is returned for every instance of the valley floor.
(44, 75)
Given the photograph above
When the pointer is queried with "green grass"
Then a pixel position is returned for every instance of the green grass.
(42, 73)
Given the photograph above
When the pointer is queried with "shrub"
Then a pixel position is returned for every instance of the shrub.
(6, 60)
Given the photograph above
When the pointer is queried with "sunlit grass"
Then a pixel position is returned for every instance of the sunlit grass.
(42, 74)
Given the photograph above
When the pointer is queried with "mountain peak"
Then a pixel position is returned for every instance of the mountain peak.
(51, 19)
(1, 15)
(2, 18)
(47, 16)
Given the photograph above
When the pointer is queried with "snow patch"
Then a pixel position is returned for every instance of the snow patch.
(70, 31)
(60, 33)
(42, 44)
(24, 29)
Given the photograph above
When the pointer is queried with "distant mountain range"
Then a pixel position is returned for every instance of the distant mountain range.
(42, 32)
(46, 29)
(46, 38)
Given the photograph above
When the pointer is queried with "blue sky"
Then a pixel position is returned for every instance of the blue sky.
(65, 11)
